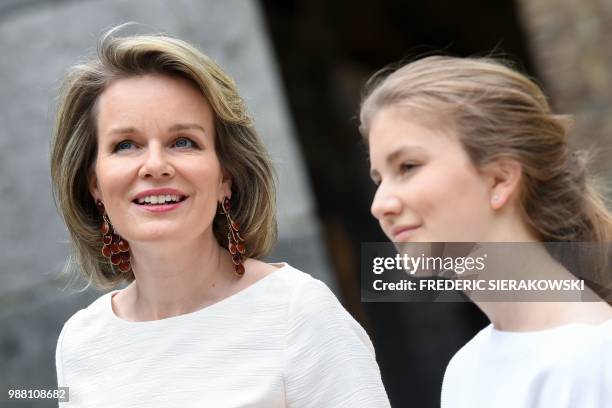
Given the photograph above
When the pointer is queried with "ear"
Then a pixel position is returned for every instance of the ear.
(93, 186)
(225, 188)
(504, 176)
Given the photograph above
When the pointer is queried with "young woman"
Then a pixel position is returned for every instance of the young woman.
(164, 184)
(469, 150)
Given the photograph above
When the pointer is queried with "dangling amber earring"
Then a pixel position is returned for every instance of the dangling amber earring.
(235, 243)
(115, 248)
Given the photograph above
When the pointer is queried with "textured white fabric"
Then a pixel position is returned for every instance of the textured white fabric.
(565, 367)
(285, 341)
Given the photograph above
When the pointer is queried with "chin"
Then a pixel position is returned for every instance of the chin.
(153, 235)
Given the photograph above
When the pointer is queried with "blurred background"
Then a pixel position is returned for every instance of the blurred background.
(300, 65)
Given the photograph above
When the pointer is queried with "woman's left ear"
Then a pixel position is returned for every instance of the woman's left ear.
(226, 187)
(504, 177)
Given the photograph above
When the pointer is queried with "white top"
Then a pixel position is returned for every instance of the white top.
(284, 341)
(565, 367)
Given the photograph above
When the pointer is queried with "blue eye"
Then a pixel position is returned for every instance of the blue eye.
(126, 144)
(184, 142)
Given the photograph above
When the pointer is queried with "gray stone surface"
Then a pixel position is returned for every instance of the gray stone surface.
(31, 321)
(39, 41)
(571, 46)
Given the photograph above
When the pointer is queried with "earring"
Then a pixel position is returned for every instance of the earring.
(235, 243)
(495, 199)
(115, 248)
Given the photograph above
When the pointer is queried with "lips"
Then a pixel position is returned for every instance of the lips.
(403, 232)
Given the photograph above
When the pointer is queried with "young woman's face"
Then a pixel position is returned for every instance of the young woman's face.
(428, 189)
(156, 144)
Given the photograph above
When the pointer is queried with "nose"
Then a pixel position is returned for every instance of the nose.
(156, 163)
(385, 203)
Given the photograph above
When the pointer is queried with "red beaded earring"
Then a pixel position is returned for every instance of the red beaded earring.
(235, 244)
(115, 248)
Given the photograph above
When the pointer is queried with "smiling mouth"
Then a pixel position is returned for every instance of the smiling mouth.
(159, 200)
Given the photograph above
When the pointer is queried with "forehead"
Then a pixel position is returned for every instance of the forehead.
(396, 127)
(161, 97)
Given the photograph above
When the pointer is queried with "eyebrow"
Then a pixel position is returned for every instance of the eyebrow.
(174, 128)
(394, 155)
(185, 126)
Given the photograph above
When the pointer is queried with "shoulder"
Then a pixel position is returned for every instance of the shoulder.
(579, 359)
(302, 291)
(315, 314)
(257, 270)
(579, 346)
(309, 307)
(470, 353)
(85, 322)
(322, 337)
(308, 295)
(476, 346)
(585, 350)
(95, 309)
(76, 333)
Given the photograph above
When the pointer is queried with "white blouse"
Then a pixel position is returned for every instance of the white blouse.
(565, 367)
(284, 341)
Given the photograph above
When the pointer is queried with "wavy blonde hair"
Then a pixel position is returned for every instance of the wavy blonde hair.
(241, 153)
(499, 112)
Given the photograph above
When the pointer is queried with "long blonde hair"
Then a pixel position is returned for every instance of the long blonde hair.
(499, 112)
(74, 146)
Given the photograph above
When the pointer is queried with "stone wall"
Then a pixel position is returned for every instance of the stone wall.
(570, 42)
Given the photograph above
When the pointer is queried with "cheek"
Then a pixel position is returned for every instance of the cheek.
(112, 176)
(205, 176)
(205, 172)
(453, 202)
(432, 191)
(104, 178)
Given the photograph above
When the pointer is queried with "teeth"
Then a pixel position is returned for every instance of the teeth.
(160, 199)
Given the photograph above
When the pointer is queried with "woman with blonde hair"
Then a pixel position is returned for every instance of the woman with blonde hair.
(164, 184)
(468, 150)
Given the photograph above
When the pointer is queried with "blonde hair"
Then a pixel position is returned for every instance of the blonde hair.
(499, 112)
(241, 153)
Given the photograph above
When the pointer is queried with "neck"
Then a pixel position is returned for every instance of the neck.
(177, 278)
(532, 261)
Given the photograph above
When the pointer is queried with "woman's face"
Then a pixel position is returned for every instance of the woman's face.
(157, 132)
(428, 189)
